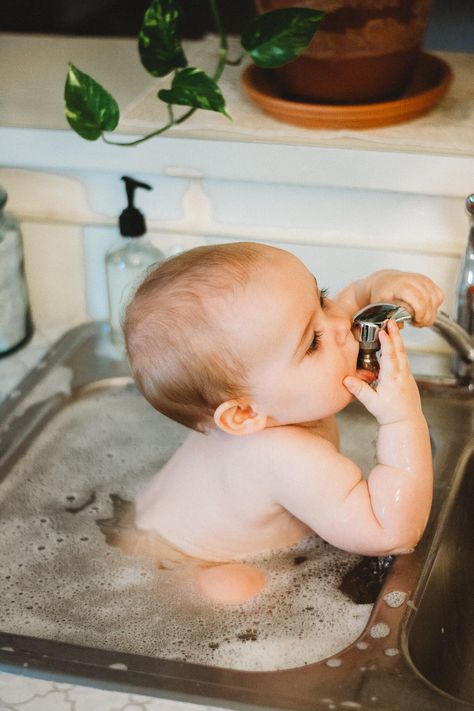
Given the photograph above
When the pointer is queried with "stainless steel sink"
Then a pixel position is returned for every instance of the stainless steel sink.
(440, 637)
(416, 650)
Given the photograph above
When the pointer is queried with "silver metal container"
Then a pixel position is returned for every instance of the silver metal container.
(15, 316)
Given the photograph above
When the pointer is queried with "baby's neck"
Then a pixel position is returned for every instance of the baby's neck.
(326, 428)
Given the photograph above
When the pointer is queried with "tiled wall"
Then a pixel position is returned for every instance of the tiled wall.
(69, 221)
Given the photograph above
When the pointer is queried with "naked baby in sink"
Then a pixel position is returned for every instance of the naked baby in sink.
(239, 343)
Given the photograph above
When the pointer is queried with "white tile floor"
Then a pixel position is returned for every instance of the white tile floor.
(28, 694)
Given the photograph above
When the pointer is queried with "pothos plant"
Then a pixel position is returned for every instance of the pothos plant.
(271, 40)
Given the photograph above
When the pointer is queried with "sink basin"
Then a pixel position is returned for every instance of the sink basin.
(77, 441)
(440, 638)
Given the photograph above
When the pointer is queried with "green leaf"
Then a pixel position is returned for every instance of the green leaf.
(158, 42)
(90, 109)
(193, 87)
(278, 37)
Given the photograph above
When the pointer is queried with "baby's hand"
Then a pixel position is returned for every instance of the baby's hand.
(421, 296)
(396, 396)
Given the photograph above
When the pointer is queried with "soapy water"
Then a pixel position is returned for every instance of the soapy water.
(60, 580)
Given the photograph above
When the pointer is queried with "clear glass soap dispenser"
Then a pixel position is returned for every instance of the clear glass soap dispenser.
(126, 262)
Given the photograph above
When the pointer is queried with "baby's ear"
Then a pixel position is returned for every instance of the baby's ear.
(238, 418)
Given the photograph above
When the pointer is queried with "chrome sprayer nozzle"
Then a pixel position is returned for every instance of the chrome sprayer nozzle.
(367, 324)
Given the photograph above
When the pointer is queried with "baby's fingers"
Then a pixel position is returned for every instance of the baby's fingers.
(392, 350)
(361, 390)
(423, 300)
(394, 359)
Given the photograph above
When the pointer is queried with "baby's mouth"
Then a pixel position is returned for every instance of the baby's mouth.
(366, 375)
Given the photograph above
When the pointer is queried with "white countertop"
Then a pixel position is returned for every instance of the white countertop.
(431, 154)
(37, 71)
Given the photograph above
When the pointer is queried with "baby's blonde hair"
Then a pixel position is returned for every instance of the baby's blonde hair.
(179, 356)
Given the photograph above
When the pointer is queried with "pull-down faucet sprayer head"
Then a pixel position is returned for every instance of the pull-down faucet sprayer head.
(367, 324)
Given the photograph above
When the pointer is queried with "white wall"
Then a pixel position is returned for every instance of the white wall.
(69, 221)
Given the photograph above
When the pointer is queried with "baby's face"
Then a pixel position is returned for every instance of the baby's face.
(299, 344)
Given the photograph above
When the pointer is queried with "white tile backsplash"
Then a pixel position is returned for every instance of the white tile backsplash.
(54, 265)
(381, 219)
(70, 220)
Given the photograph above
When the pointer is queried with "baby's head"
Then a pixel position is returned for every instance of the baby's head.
(239, 336)
(175, 331)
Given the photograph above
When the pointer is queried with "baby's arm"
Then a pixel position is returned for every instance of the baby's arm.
(388, 512)
(421, 296)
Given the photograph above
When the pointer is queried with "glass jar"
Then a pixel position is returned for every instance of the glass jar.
(15, 316)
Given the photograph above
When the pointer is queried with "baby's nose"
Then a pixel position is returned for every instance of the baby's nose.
(342, 329)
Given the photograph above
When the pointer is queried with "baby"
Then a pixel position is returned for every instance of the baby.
(239, 343)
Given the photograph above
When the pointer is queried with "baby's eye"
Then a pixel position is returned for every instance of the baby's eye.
(322, 297)
(313, 346)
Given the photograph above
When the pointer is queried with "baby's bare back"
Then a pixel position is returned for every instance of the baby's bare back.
(214, 499)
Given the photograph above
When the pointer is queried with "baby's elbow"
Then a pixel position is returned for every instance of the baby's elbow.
(404, 543)
(394, 543)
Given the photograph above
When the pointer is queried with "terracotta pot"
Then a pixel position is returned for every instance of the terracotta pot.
(364, 50)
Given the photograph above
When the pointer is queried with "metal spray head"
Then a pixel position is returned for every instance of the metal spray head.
(367, 324)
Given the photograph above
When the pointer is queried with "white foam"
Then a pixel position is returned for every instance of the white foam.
(379, 630)
(395, 598)
(60, 580)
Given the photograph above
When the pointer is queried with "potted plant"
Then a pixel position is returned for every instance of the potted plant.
(365, 50)
(272, 40)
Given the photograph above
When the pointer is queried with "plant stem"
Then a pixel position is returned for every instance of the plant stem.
(221, 63)
(164, 128)
(223, 43)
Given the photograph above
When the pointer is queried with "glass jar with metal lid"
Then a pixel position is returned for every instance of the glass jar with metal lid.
(15, 316)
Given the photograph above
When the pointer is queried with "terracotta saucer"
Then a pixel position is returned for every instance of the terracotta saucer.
(430, 83)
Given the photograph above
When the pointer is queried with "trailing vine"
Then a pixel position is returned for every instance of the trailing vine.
(271, 40)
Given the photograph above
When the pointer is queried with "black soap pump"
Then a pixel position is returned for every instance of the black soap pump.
(127, 260)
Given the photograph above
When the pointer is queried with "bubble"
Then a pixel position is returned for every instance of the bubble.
(395, 598)
(391, 651)
(379, 630)
(334, 662)
(362, 645)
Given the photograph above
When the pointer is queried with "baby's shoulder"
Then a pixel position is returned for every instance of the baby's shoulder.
(290, 441)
